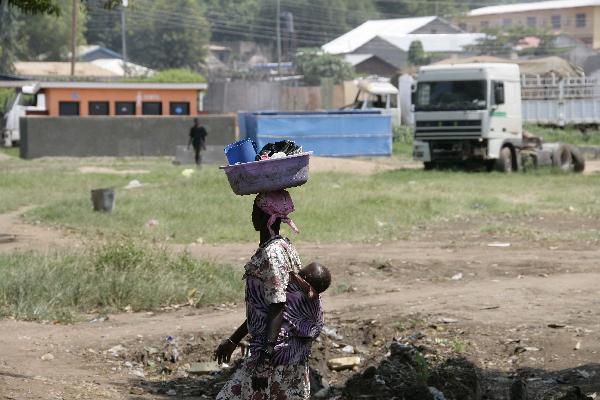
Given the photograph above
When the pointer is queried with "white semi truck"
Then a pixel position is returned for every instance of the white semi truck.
(470, 114)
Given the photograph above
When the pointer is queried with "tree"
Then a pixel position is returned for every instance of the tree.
(314, 64)
(174, 75)
(48, 37)
(315, 21)
(499, 42)
(233, 19)
(416, 54)
(103, 25)
(34, 6)
(49, 7)
(163, 34)
(10, 41)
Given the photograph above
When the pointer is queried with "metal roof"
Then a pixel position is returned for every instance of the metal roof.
(536, 6)
(360, 35)
(438, 42)
(107, 85)
(60, 68)
(115, 66)
(356, 59)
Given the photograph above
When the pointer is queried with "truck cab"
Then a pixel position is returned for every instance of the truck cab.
(378, 94)
(467, 113)
(28, 100)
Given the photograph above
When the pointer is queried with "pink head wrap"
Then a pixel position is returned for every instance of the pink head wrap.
(278, 205)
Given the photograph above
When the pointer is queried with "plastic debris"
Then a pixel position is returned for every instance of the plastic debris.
(498, 244)
(117, 350)
(437, 395)
(457, 277)
(138, 373)
(152, 223)
(348, 349)
(133, 184)
(47, 357)
(332, 333)
(187, 172)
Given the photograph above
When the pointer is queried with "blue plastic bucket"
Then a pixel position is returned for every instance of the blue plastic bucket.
(240, 152)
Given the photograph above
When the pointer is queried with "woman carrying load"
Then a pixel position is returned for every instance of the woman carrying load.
(283, 313)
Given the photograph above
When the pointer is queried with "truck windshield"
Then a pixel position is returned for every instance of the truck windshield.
(450, 95)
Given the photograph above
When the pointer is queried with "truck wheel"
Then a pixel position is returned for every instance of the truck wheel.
(561, 157)
(504, 163)
(577, 159)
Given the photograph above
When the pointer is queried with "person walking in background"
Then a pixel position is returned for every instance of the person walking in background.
(197, 139)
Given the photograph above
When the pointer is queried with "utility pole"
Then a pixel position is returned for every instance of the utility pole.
(278, 38)
(73, 36)
(123, 40)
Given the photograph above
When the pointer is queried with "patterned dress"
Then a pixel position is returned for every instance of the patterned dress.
(268, 281)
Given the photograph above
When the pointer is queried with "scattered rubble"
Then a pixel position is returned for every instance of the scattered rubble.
(203, 368)
(342, 363)
(418, 359)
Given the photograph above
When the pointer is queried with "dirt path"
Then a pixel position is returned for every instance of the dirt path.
(503, 292)
(19, 235)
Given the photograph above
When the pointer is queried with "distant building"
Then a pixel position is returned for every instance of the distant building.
(577, 18)
(117, 98)
(370, 64)
(350, 41)
(381, 46)
(95, 52)
(99, 68)
(117, 67)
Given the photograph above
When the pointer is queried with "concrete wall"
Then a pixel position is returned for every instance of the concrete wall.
(121, 136)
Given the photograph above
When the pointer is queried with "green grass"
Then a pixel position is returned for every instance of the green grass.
(332, 207)
(569, 134)
(10, 151)
(62, 285)
(402, 142)
(458, 345)
(403, 137)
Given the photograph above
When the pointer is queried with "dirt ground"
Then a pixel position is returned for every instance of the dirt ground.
(528, 309)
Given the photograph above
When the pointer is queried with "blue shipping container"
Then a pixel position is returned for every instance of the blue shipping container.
(328, 133)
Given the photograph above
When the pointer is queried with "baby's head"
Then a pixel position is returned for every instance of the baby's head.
(317, 276)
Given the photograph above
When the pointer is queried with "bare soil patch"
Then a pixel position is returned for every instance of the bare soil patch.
(519, 315)
(359, 166)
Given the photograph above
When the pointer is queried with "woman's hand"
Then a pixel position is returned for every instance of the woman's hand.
(224, 351)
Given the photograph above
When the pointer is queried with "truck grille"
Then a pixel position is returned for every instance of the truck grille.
(448, 129)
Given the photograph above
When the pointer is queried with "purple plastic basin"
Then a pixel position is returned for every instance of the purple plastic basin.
(268, 175)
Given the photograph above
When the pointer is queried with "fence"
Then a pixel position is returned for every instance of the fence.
(560, 101)
(234, 96)
(556, 88)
